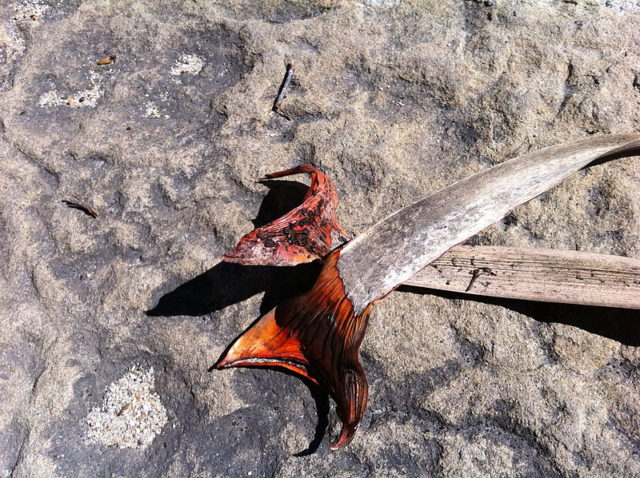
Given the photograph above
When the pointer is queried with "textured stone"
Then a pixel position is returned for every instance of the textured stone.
(393, 100)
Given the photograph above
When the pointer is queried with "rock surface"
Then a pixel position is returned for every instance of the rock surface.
(393, 100)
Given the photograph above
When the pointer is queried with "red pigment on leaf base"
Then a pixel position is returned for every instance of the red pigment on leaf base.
(302, 235)
(317, 336)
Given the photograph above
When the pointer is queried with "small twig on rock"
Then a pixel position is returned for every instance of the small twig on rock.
(76, 203)
(107, 60)
(282, 92)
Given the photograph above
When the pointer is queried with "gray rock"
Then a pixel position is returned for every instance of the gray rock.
(393, 100)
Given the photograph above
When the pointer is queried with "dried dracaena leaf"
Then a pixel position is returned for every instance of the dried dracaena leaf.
(318, 335)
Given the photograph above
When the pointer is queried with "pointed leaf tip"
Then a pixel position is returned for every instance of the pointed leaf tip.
(346, 436)
(306, 233)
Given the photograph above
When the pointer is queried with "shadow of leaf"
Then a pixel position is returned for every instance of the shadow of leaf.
(228, 283)
(622, 325)
(283, 196)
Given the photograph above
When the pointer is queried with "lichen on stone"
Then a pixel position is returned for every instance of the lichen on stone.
(131, 415)
(80, 99)
(30, 9)
(189, 64)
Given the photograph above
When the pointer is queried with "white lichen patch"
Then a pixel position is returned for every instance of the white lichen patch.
(151, 110)
(187, 64)
(30, 10)
(50, 98)
(621, 6)
(131, 415)
(379, 3)
(617, 6)
(80, 99)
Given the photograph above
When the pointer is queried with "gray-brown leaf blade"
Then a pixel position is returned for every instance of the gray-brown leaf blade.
(396, 248)
(544, 275)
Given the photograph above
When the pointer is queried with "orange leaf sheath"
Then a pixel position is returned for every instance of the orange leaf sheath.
(318, 336)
